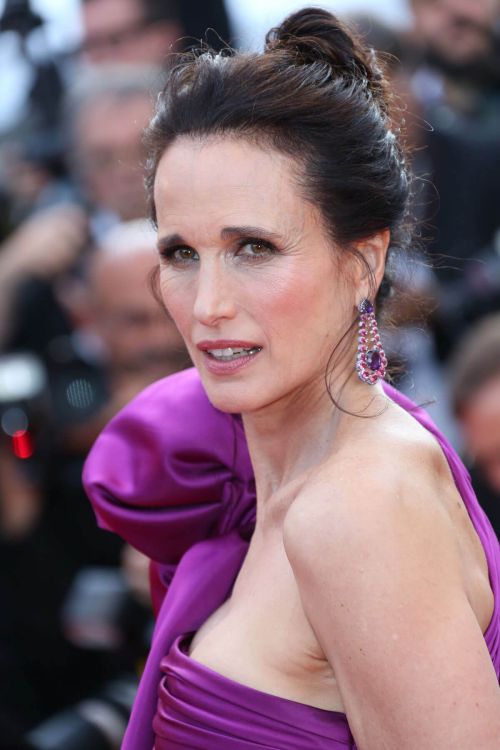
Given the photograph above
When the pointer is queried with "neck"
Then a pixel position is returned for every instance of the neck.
(294, 435)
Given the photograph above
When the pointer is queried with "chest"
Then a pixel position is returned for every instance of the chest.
(260, 636)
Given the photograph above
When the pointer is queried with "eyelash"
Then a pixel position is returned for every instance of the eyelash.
(169, 254)
(268, 246)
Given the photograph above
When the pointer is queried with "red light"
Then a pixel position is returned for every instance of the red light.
(22, 444)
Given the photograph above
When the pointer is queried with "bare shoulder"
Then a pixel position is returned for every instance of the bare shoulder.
(377, 507)
(392, 474)
(375, 554)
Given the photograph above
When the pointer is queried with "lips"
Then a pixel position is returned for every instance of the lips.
(224, 355)
(230, 353)
(228, 350)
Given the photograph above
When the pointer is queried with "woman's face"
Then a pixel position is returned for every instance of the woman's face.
(248, 273)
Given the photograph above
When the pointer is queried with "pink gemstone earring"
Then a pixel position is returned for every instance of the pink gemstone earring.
(371, 362)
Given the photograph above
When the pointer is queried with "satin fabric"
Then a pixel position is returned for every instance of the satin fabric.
(172, 475)
(198, 708)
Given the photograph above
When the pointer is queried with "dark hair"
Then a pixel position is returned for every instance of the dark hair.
(316, 94)
(475, 362)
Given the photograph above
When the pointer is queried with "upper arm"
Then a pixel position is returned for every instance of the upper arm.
(379, 577)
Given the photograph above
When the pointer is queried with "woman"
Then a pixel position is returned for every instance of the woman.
(354, 602)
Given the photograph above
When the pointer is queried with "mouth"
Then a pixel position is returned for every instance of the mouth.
(229, 353)
(223, 354)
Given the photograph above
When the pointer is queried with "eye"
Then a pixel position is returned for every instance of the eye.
(255, 248)
(180, 255)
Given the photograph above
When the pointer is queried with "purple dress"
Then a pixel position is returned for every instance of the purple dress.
(172, 475)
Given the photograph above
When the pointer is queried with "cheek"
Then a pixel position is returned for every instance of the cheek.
(305, 305)
(308, 290)
(178, 298)
(275, 298)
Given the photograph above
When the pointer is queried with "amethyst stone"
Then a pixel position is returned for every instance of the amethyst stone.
(373, 359)
(365, 306)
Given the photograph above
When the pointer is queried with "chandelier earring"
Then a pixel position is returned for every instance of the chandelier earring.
(371, 362)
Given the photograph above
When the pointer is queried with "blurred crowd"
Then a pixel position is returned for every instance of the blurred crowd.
(81, 332)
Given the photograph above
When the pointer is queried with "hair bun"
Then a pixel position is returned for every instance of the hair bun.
(315, 35)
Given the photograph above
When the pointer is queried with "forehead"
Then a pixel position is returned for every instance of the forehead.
(229, 181)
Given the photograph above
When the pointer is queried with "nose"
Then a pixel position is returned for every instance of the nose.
(215, 295)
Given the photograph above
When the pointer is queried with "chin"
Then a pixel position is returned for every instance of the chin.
(232, 397)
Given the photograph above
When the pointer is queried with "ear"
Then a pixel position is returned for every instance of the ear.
(372, 254)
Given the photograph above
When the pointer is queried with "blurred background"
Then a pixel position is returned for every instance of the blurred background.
(80, 333)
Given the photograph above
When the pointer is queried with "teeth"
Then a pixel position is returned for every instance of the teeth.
(231, 353)
(224, 352)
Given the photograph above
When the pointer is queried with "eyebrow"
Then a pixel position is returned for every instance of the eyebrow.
(227, 233)
(170, 240)
(248, 231)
